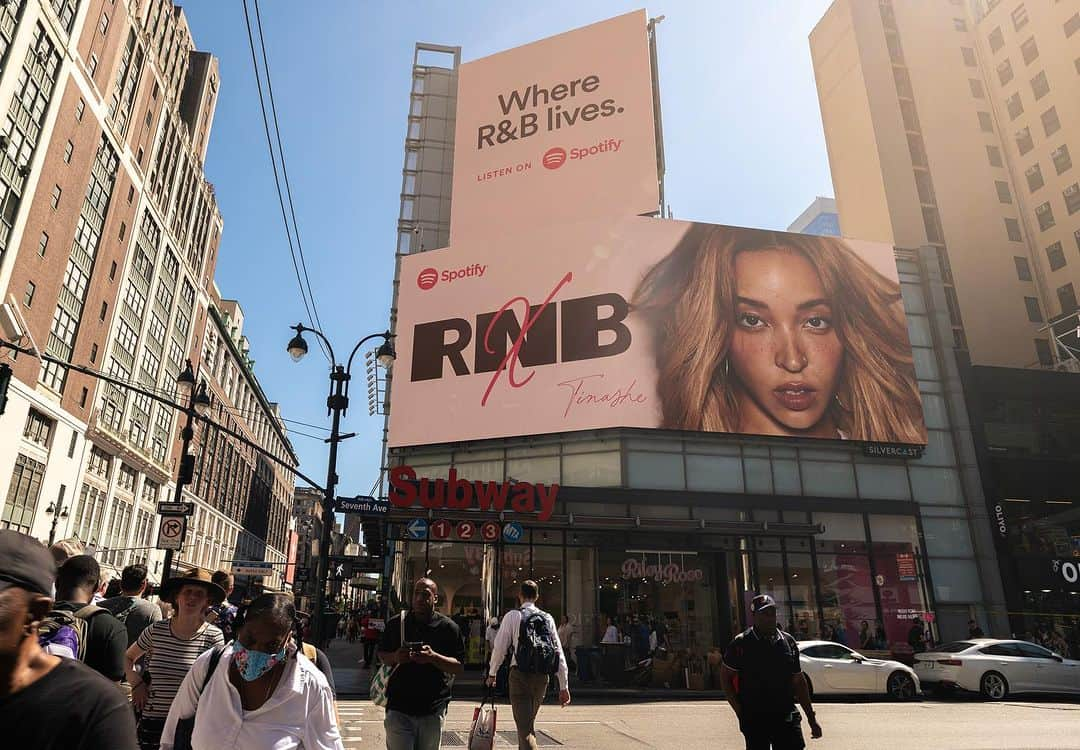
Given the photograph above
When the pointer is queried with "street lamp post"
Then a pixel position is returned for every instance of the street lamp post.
(57, 510)
(196, 402)
(337, 404)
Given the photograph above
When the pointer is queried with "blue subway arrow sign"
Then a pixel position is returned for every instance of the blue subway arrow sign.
(417, 528)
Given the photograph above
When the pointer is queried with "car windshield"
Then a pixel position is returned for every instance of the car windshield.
(953, 648)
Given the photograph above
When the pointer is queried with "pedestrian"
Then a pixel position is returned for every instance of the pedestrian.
(223, 614)
(840, 633)
(48, 703)
(974, 631)
(866, 638)
(101, 639)
(418, 692)
(263, 691)
(369, 634)
(529, 635)
(129, 607)
(917, 638)
(173, 645)
(881, 640)
(765, 662)
(567, 634)
(611, 635)
(66, 548)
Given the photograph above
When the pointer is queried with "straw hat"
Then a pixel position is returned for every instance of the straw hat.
(194, 577)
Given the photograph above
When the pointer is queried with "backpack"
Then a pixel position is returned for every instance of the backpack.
(122, 616)
(65, 633)
(536, 652)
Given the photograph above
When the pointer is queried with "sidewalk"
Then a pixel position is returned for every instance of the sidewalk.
(353, 680)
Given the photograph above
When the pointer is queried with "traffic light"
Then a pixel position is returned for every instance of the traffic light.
(5, 381)
(187, 468)
(373, 538)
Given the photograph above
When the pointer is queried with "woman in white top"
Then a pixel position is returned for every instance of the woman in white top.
(611, 635)
(262, 694)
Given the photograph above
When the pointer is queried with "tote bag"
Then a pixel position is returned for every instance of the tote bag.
(380, 681)
(482, 731)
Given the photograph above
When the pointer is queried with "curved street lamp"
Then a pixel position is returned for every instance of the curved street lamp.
(337, 404)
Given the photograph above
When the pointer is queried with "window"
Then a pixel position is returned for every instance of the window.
(125, 478)
(22, 498)
(1004, 196)
(149, 117)
(103, 26)
(924, 186)
(917, 150)
(1072, 25)
(993, 153)
(1045, 214)
(959, 24)
(1050, 121)
(80, 107)
(933, 225)
(28, 295)
(93, 64)
(1034, 177)
(43, 244)
(82, 403)
(1015, 106)
(1033, 312)
(1067, 299)
(986, 124)
(104, 310)
(1001, 649)
(1020, 17)
(68, 150)
(1005, 71)
(996, 40)
(1056, 256)
(1042, 351)
(976, 88)
(1040, 85)
(37, 428)
(1023, 141)
(1029, 50)
(93, 353)
(1012, 228)
(99, 463)
(1062, 160)
(969, 56)
(131, 194)
(56, 196)
(123, 231)
(1071, 194)
(139, 156)
(1023, 270)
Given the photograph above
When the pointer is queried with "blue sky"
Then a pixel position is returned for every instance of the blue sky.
(743, 144)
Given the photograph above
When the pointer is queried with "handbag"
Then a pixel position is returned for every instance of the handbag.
(186, 726)
(482, 730)
(379, 692)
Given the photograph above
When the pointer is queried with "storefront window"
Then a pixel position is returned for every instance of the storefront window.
(804, 612)
(847, 596)
(898, 568)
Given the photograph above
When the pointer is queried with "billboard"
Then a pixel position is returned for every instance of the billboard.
(641, 322)
(558, 130)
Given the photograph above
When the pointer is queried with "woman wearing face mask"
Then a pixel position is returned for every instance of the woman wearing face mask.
(769, 333)
(262, 693)
(173, 645)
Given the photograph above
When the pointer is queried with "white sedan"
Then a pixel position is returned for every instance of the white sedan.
(997, 668)
(832, 668)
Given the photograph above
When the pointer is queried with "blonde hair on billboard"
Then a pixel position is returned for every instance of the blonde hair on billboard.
(693, 289)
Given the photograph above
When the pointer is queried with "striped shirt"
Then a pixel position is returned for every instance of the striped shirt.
(169, 660)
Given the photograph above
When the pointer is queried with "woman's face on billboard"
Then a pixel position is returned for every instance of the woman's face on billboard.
(785, 356)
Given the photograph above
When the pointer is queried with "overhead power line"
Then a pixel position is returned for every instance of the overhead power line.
(305, 290)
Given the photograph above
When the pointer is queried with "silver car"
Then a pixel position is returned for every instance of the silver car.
(997, 668)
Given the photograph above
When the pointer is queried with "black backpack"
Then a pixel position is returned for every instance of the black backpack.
(536, 651)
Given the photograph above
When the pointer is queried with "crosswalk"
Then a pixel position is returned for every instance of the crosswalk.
(350, 720)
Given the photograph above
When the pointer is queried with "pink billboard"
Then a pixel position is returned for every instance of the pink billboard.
(558, 130)
(652, 323)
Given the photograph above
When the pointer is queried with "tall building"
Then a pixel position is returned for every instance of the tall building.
(954, 125)
(820, 217)
(108, 242)
(733, 513)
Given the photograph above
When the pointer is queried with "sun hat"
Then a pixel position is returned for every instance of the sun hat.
(194, 577)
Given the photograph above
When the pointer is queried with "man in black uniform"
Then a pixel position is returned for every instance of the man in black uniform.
(762, 679)
(424, 666)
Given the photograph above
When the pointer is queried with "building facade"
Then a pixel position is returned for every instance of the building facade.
(682, 528)
(820, 217)
(954, 124)
(108, 245)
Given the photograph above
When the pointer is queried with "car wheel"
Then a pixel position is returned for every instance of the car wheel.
(994, 686)
(900, 686)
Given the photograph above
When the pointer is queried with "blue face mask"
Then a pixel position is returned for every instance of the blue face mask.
(254, 664)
